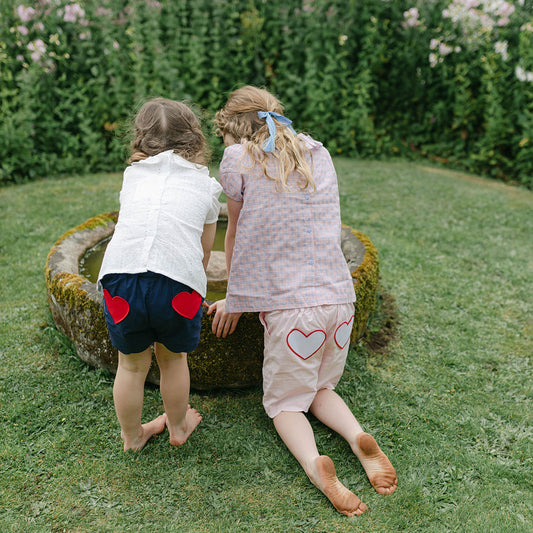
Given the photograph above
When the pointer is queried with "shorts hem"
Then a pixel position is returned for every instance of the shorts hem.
(288, 410)
(186, 349)
(292, 408)
(130, 352)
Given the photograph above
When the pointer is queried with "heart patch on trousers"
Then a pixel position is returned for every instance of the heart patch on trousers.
(187, 304)
(343, 332)
(304, 346)
(118, 307)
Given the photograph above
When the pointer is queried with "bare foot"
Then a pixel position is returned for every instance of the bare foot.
(179, 436)
(377, 466)
(155, 426)
(343, 499)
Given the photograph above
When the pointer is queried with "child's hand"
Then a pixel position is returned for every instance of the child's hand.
(223, 323)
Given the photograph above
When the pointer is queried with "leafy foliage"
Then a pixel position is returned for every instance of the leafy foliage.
(446, 79)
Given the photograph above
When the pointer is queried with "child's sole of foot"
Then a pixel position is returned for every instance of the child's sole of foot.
(192, 419)
(378, 468)
(154, 427)
(343, 499)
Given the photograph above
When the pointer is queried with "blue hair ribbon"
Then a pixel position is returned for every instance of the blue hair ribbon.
(268, 115)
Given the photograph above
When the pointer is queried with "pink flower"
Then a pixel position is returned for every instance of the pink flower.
(73, 12)
(25, 14)
(37, 49)
(505, 9)
(23, 30)
(411, 18)
(307, 6)
(102, 11)
(444, 49)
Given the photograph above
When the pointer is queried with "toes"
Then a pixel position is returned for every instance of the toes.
(359, 511)
(379, 469)
(384, 486)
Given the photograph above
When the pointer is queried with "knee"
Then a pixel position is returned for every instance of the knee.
(166, 358)
(135, 363)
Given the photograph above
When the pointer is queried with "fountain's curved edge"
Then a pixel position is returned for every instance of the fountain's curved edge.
(233, 362)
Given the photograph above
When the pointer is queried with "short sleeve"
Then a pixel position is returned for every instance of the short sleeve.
(214, 209)
(229, 173)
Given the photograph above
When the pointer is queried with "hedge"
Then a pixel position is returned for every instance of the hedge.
(449, 80)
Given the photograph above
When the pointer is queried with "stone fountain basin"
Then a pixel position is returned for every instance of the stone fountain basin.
(233, 362)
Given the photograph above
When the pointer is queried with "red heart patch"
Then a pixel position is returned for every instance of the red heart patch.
(118, 307)
(304, 346)
(343, 333)
(187, 304)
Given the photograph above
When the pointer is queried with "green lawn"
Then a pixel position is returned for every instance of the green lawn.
(449, 402)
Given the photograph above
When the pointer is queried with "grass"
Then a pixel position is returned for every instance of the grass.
(449, 400)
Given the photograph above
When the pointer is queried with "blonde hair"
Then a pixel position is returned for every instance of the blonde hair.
(162, 124)
(239, 118)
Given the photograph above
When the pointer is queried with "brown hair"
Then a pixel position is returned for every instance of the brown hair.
(239, 119)
(162, 124)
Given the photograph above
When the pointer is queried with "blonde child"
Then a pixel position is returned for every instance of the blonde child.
(285, 261)
(153, 272)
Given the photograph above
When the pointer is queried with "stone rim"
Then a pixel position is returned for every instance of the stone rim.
(77, 309)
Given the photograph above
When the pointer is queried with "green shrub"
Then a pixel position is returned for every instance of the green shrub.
(447, 79)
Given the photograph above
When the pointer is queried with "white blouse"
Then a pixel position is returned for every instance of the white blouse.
(165, 202)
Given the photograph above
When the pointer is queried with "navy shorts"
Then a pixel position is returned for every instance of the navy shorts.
(141, 309)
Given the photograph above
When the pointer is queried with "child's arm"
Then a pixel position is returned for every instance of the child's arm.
(225, 323)
(208, 239)
(234, 210)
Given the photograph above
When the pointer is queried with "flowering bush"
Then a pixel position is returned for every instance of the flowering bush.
(57, 103)
(447, 79)
(479, 52)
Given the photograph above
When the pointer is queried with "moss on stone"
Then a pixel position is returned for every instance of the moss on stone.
(235, 361)
(366, 279)
(99, 220)
(76, 306)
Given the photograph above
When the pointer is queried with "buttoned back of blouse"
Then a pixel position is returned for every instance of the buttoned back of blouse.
(287, 251)
(165, 202)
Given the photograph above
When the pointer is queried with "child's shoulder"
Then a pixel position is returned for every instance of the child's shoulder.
(234, 155)
(233, 150)
(310, 143)
(318, 151)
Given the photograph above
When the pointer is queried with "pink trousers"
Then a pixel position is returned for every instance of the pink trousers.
(305, 351)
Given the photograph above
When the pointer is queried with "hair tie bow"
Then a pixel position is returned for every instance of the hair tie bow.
(270, 142)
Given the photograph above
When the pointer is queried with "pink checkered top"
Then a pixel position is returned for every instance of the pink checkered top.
(287, 252)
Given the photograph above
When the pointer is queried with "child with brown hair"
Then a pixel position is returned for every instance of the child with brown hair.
(284, 261)
(153, 272)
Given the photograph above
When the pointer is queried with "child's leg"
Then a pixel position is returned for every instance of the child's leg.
(128, 394)
(174, 386)
(297, 434)
(332, 411)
